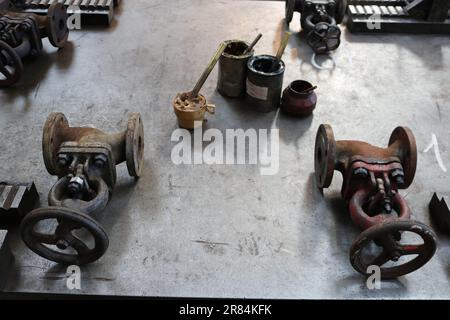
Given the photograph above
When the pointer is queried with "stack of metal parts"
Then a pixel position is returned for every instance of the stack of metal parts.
(16, 200)
(399, 16)
(93, 12)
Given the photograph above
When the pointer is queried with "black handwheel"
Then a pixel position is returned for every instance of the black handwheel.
(387, 236)
(11, 66)
(57, 30)
(324, 37)
(324, 156)
(289, 10)
(68, 221)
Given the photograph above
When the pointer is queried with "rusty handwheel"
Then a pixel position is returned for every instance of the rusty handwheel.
(62, 238)
(324, 37)
(408, 149)
(11, 66)
(56, 121)
(135, 145)
(56, 27)
(387, 236)
(324, 156)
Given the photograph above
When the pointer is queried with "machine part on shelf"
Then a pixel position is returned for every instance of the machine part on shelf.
(16, 200)
(440, 213)
(190, 107)
(399, 16)
(372, 177)
(21, 35)
(264, 82)
(85, 160)
(319, 19)
(92, 12)
(191, 112)
(233, 68)
(299, 98)
(6, 259)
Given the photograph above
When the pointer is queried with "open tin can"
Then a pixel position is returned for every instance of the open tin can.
(264, 82)
(233, 69)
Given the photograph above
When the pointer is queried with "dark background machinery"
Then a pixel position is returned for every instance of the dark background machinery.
(21, 36)
(319, 19)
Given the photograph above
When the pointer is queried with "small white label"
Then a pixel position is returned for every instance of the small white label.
(257, 91)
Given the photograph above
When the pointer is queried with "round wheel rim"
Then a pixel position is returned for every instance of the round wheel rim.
(324, 156)
(68, 220)
(55, 122)
(424, 251)
(135, 145)
(57, 30)
(11, 67)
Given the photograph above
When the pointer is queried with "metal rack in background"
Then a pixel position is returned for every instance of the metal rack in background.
(399, 16)
(93, 12)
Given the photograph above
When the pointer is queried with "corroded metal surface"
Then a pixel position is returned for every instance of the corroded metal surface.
(372, 178)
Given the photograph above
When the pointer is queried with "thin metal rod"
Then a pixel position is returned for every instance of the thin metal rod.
(283, 45)
(194, 93)
(253, 44)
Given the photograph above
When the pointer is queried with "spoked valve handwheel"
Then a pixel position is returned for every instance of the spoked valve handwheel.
(11, 66)
(55, 246)
(387, 236)
(325, 37)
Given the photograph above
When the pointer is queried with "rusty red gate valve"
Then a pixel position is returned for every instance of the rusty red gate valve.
(372, 177)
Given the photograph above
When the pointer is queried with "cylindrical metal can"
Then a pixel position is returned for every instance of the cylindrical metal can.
(264, 82)
(233, 69)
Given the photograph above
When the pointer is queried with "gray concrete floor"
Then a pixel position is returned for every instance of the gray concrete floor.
(280, 237)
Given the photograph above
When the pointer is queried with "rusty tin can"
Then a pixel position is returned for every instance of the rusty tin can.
(264, 82)
(233, 69)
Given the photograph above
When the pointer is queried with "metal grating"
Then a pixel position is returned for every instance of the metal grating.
(93, 12)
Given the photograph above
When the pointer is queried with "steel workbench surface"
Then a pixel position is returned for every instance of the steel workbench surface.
(226, 230)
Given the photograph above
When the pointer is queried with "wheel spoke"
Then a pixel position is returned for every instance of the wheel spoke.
(45, 238)
(381, 259)
(5, 72)
(408, 249)
(77, 244)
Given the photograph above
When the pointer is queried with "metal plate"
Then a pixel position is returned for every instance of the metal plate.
(57, 30)
(51, 142)
(135, 145)
(409, 156)
(324, 156)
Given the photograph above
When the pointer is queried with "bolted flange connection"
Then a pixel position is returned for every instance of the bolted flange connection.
(372, 177)
(85, 160)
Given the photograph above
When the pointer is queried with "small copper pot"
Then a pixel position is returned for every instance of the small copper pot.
(191, 112)
(296, 101)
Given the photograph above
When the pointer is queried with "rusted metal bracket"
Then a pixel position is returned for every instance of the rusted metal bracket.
(85, 161)
(319, 19)
(21, 35)
(372, 177)
(440, 213)
(16, 200)
(6, 259)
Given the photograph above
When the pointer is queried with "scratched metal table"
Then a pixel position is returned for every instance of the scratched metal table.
(225, 230)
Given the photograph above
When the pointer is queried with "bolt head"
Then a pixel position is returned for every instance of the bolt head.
(64, 160)
(361, 173)
(75, 185)
(62, 244)
(100, 160)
